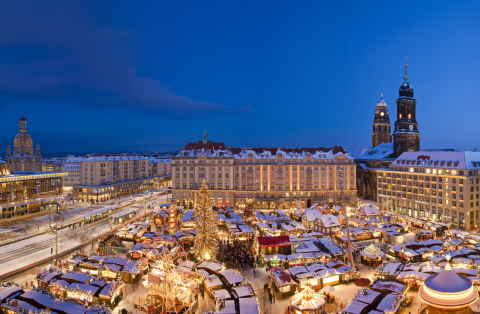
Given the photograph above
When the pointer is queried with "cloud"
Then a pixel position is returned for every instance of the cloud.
(56, 51)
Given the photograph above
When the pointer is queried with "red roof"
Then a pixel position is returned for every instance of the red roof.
(274, 241)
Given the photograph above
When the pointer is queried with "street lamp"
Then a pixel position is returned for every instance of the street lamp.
(340, 178)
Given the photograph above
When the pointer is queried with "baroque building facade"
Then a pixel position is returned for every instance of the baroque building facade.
(262, 177)
(24, 157)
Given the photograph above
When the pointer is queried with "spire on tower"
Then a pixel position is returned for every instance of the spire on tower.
(205, 136)
(405, 78)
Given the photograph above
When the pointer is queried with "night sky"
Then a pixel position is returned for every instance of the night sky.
(152, 75)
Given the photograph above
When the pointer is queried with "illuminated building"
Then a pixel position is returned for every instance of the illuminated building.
(261, 177)
(107, 176)
(28, 192)
(438, 185)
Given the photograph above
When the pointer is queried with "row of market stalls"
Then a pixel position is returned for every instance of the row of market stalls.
(107, 268)
(40, 301)
(79, 286)
(382, 297)
(315, 275)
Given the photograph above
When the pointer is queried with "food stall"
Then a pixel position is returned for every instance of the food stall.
(275, 260)
(329, 277)
(391, 303)
(112, 293)
(212, 283)
(425, 234)
(282, 282)
(371, 256)
(231, 278)
(75, 259)
(413, 278)
(310, 279)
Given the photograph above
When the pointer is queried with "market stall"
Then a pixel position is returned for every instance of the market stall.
(371, 256)
(282, 282)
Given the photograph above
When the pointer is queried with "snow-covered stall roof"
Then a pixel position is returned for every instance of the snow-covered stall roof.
(7, 291)
(77, 277)
(213, 281)
(312, 214)
(211, 265)
(354, 307)
(370, 210)
(243, 291)
(232, 276)
(248, 306)
(367, 296)
(229, 308)
(391, 302)
(329, 221)
(222, 294)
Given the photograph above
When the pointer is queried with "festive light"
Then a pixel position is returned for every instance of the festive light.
(206, 240)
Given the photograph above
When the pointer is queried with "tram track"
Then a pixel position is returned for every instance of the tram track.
(84, 235)
(35, 247)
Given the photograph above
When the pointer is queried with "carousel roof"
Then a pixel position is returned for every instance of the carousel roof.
(448, 290)
(308, 300)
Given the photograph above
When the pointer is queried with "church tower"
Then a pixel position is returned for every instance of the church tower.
(381, 125)
(406, 137)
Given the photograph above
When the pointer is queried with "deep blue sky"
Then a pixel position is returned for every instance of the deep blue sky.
(149, 75)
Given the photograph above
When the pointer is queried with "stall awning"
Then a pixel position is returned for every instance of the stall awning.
(274, 241)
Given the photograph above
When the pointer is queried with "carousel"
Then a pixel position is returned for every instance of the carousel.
(371, 256)
(307, 302)
(447, 292)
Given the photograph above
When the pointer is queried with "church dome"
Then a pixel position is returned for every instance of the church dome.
(23, 138)
(448, 290)
(406, 90)
(381, 102)
(23, 118)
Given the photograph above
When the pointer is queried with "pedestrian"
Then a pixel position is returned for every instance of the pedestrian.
(273, 296)
(270, 297)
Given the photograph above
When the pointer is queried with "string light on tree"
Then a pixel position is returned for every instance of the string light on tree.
(206, 240)
(172, 217)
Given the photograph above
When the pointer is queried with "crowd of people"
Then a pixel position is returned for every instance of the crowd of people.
(241, 253)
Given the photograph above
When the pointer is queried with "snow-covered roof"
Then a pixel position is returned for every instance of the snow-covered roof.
(229, 308)
(248, 306)
(370, 210)
(243, 291)
(312, 214)
(329, 220)
(439, 159)
(7, 291)
(213, 281)
(354, 307)
(232, 276)
(211, 265)
(114, 157)
(222, 294)
(379, 152)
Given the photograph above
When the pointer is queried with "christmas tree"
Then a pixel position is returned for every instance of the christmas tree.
(206, 240)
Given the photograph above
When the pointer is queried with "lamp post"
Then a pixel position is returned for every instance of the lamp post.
(340, 178)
